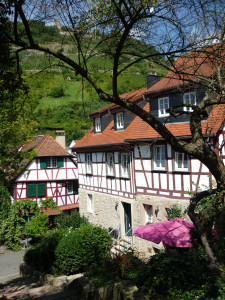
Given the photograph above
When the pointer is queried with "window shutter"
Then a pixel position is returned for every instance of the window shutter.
(60, 162)
(115, 127)
(75, 187)
(43, 163)
(31, 190)
(94, 125)
(41, 189)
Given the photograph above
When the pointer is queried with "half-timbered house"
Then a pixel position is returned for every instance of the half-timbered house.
(128, 174)
(52, 173)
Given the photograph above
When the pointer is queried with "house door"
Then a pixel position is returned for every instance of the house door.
(127, 218)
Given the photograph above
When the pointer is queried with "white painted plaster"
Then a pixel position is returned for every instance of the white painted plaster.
(103, 182)
(147, 165)
(170, 182)
(32, 165)
(149, 179)
(138, 165)
(156, 180)
(140, 180)
(94, 169)
(117, 170)
(140, 190)
(204, 182)
(195, 165)
(123, 186)
(186, 179)
(170, 165)
(204, 168)
(163, 180)
(176, 194)
(113, 184)
(164, 193)
(178, 182)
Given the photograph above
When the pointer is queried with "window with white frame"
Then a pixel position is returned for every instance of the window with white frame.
(189, 98)
(88, 163)
(148, 214)
(181, 161)
(110, 164)
(159, 158)
(90, 203)
(124, 165)
(163, 105)
(119, 120)
(98, 127)
(51, 162)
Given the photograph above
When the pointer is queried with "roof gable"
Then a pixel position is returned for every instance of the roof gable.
(45, 145)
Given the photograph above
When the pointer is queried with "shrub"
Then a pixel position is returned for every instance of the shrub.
(81, 248)
(174, 212)
(174, 276)
(70, 221)
(38, 225)
(42, 256)
(56, 92)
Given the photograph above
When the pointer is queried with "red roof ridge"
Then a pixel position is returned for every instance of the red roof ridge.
(49, 136)
(42, 142)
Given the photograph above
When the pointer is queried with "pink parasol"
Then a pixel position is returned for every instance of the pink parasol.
(173, 233)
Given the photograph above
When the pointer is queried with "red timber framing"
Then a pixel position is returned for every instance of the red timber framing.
(99, 181)
(59, 181)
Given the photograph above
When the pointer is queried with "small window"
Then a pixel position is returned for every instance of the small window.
(181, 161)
(159, 158)
(35, 190)
(110, 165)
(148, 214)
(163, 105)
(88, 163)
(189, 98)
(98, 127)
(119, 120)
(90, 203)
(51, 162)
(72, 188)
(124, 165)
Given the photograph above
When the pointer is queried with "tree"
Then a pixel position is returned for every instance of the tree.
(174, 28)
(16, 128)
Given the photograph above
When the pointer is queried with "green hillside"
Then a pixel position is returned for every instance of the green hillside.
(61, 99)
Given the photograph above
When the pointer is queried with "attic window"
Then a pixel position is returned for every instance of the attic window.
(51, 162)
(163, 105)
(97, 125)
(189, 98)
(120, 120)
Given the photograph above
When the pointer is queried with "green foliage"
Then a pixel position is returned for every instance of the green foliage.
(56, 92)
(175, 276)
(37, 226)
(74, 220)
(11, 232)
(118, 268)
(49, 202)
(174, 212)
(81, 248)
(42, 256)
(5, 202)
(12, 228)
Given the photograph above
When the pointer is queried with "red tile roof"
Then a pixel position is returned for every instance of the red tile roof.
(45, 145)
(139, 129)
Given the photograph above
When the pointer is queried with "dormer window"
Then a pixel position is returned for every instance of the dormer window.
(119, 121)
(97, 125)
(163, 105)
(189, 98)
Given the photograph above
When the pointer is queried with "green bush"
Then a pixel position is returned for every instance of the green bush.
(38, 225)
(174, 212)
(42, 256)
(74, 220)
(56, 92)
(174, 276)
(81, 248)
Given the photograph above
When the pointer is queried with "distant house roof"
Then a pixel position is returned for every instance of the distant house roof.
(45, 145)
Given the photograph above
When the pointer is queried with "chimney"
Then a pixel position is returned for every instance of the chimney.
(60, 137)
(152, 79)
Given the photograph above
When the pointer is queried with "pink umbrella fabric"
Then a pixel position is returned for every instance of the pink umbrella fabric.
(173, 233)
